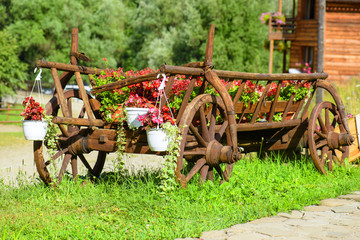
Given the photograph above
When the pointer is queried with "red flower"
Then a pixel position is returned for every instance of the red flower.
(33, 110)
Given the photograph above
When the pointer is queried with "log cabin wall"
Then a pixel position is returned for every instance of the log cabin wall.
(342, 38)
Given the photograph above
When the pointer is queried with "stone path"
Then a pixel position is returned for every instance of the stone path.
(335, 218)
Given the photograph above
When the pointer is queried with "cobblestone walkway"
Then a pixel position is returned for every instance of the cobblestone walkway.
(335, 218)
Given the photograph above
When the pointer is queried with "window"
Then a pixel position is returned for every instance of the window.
(308, 55)
(309, 11)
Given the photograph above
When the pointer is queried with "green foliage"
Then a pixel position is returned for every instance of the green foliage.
(43, 29)
(167, 173)
(51, 137)
(110, 100)
(135, 34)
(12, 70)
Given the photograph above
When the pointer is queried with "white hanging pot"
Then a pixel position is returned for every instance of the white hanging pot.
(157, 139)
(34, 130)
(132, 115)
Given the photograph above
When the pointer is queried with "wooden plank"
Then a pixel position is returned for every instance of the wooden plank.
(84, 95)
(60, 91)
(279, 107)
(244, 127)
(78, 121)
(125, 82)
(354, 127)
(68, 67)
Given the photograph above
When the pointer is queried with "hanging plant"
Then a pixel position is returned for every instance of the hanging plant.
(34, 128)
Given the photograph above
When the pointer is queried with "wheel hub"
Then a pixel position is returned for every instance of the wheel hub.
(216, 153)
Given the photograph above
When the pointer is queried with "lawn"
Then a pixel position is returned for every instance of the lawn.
(132, 208)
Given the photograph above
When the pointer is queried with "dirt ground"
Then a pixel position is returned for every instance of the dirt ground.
(17, 161)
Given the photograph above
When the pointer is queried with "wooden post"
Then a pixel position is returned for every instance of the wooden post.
(320, 46)
(284, 57)
(74, 44)
(280, 6)
(271, 47)
(8, 113)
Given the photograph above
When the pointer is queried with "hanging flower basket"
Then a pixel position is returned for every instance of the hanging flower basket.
(132, 114)
(34, 127)
(34, 130)
(157, 139)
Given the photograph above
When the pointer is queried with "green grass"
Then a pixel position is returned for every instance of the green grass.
(350, 94)
(12, 139)
(14, 115)
(117, 208)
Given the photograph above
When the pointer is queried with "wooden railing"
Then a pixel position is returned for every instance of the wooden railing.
(282, 31)
(9, 111)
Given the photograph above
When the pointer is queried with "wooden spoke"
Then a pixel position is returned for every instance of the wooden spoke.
(74, 167)
(327, 119)
(56, 156)
(222, 130)
(99, 165)
(64, 165)
(204, 127)
(197, 135)
(322, 125)
(212, 122)
(228, 171)
(320, 134)
(321, 144)
(330, 161)
(333, 124)
(86, 164)
(210, 174)
(342, 149)
(203, 174)
(323, 154)
(196, 168)
(221, 173)
(82, 112)
(196, 151)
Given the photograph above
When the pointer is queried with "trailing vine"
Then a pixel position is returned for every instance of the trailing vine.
(51, 137)
(167, 173)
(120, 145)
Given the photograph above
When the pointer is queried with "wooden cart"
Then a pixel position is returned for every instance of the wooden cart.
(210, 144)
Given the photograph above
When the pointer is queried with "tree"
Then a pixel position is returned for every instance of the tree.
(12, 70)
(43, 29)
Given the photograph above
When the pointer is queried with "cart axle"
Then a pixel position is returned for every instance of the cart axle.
(335, 140)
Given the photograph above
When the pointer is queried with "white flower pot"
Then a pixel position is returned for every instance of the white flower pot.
(132, 115)
(34, 130)
(157, 139)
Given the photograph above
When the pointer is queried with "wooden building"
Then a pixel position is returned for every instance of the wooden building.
(341, 40)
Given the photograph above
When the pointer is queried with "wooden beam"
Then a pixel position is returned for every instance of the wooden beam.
(68, 67)
(84, 95)
(60, 91)
(78, 121)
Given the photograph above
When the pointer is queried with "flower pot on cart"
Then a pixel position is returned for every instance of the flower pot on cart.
(157, 139)
(34, 130)
(132, 114)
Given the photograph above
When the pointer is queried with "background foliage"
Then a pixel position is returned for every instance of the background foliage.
(135, 34)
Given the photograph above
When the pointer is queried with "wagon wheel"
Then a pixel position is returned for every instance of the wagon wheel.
(326, 145)
(206, 142)
(43, 165)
